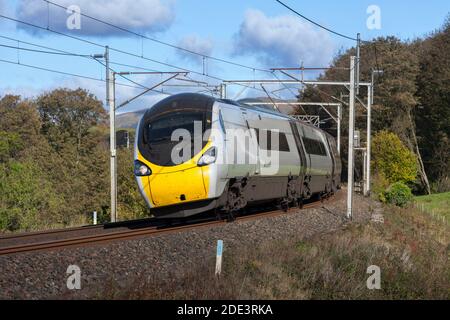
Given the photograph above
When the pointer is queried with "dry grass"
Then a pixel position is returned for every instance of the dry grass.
(411, 249)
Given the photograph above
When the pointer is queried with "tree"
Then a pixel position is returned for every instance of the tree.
(52, 155)
(433, 116)
(21, 118)
(54, 162)
(131, 205)
(67, 115)
(27, 199)
(10, 145)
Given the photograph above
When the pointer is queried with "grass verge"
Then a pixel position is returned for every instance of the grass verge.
(437, 204)
(410, 247)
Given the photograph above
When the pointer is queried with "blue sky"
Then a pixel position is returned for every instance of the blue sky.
(261, 34)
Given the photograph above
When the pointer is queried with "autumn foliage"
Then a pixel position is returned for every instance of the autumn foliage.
(392, 159)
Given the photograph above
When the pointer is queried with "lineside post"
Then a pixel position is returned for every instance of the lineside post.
(219, 257)
(339, 118)
(110, 99)
(364, 170)
(351, 133)
(369, 138)
(358, 60)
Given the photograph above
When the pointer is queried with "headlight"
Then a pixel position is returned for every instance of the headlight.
(208, 157)
(140, 169)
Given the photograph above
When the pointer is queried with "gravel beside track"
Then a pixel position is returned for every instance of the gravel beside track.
(42, 275)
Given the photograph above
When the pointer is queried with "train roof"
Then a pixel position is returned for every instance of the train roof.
(207, 101)
(258, 108)
(269, 110)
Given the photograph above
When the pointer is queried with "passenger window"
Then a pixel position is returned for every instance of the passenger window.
(283, 144)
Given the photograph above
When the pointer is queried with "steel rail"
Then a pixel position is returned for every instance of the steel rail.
(47, 232)
(130, 234)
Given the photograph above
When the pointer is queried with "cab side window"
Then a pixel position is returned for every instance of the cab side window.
(314, 146)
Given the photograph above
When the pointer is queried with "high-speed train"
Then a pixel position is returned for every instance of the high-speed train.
(195, 153)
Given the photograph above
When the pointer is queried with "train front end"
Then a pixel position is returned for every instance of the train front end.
(173, 155)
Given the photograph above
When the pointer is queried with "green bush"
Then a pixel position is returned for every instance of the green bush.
(398, 193)
(392, 159)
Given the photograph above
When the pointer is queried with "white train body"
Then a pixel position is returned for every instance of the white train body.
(248, 155)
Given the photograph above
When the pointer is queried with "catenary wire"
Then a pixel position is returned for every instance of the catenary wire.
(160, 41)
(121, 51)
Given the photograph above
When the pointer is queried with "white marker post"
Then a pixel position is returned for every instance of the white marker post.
(219, 257)
(94, 217)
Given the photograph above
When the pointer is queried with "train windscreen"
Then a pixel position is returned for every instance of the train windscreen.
(162, 129)
(171, 124)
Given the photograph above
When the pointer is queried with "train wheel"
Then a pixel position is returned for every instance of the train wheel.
(231, 216)
(284, 205)
(333, 187)
(320, 198)
(217, 214)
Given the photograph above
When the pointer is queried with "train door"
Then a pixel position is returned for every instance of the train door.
(241, 149)
(253, 121)
(336, 161)
(329, 139)
(301, 153)
(277, 151)
(307, 156)
(329, 158)
(321, 163)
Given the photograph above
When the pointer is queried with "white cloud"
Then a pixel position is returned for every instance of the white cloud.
(137, 15)
(196, 44)
(282, 40)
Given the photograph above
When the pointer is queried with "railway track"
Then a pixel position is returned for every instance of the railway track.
(108, 233)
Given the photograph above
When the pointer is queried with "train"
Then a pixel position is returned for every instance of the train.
(195, 153)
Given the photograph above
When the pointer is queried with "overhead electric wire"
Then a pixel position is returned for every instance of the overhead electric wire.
(60, 52)
(120, 51)
(143, 36)
(160, 41)
(41, 51)
(315, 23)
(66, 73)
(64, 52)
(290, 90)
(128, 79)
(332, 31)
